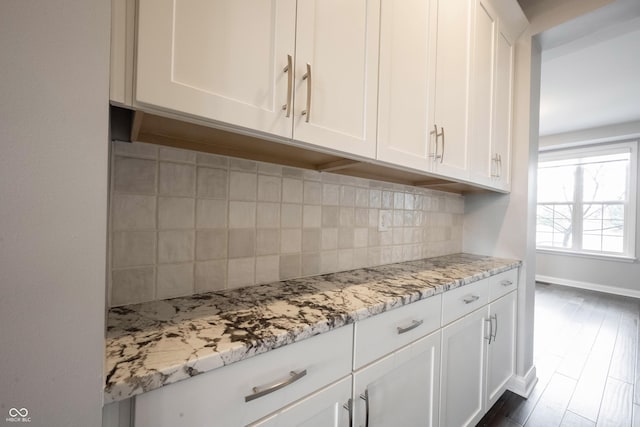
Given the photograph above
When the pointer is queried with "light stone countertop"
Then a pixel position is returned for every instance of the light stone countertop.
(153, 344)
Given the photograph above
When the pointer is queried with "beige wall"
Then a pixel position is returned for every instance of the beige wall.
(54, 62)
(184, 222)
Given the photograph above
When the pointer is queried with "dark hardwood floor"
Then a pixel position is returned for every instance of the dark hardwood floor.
(587, 362)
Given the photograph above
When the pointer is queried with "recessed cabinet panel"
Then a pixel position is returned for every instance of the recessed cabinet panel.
(336, 74)
(407, 80)
(503, 110)
(217, 59)
(501, 355)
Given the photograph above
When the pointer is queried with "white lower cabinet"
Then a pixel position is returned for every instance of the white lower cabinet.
(478, 360)
(400, 389)
(325, 408)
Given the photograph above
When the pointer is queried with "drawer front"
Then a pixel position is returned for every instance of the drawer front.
(463, 300)
(219, 397)
(503, 283)
(382, 334)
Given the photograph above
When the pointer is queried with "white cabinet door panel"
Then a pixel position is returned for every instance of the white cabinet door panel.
(501, 356)
(338, 39)
(217, 59)
(503, 110)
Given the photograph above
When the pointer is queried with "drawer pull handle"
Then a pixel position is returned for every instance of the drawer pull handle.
(365, 397)
(264, 390)
(506, 283)
(470, 299)
(307, 77)
(413, 325)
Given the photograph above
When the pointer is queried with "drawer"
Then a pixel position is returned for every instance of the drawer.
(219, 397)
(380, 335)
(463, 300)
(503, 283)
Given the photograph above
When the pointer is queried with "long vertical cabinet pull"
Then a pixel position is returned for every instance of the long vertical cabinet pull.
(307, 77)
(442, 155)
(365, 397)
(495, 332)
(490, 329)
(289, 70)
(435, 154)
(349, 407)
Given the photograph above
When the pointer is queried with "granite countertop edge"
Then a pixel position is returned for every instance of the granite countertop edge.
(150, 345)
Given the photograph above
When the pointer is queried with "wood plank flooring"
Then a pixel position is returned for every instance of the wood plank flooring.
(587, 362)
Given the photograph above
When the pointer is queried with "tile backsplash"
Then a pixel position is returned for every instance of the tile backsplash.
(183, 222)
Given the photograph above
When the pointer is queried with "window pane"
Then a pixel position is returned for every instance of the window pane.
(613, 212)
(592, 212)
(544, 239)
(605, 181)
(612, 244)
(555, 184)
(592, 226)
(592, 242)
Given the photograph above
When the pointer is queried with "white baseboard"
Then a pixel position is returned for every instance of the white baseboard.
(524, 385)
(590, 286)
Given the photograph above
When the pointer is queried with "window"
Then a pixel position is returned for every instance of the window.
(587, 199)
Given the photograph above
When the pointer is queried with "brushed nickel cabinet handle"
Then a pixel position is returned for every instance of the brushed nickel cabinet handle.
(499, 166)
(260, 391)
(442, 155)
(307, 77)
(349, 407)
(490, 330)
(470, 299)
(434, 154)
(365, 397)
(289, 70)
(506, 283)
(495, 332)
(414, 324)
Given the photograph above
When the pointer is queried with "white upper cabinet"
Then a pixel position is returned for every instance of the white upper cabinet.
(425, 54)
(218, 59)
(336, 74)
(491, 100)
(260, 64)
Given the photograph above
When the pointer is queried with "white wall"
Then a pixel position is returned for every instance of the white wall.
(53, 204)
(610, 276)
(504, 225)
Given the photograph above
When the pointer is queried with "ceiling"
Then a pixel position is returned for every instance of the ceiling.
(591, 70)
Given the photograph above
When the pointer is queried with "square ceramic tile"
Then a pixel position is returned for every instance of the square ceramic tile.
(269, 169)
(211, 213)
(386, 237)
(268, 241)
(211, 275)
(133, 248)
(290, 240)
(212, 160)
(176, 212)
(135, 149)
(362, 198)
(311, 239)
(310, 264)
(330, 216)
(177, 155)
(290, 266)
(211, 244)
(175, 246)
(267, 269)
(292, 172)
(269, 188)
(242, 214)
(345, 237)
(243, 186)
(374, 217)
(312, 193)
(375, 198)
(212, 183)
(177, 179)
(330, 194)
(134, 175)
(347, 217)
(347, 195)
(409, 201)
(328, 262)
(291, 216)
(242, 164)
(133, 212)
(398, 218)
(291, 190)
(361, 237)
(242, 242)
(398, 200)
(174, 280)
(360, 257)
(362, 217)
(268, 215)
(241, 272)
(373, 237)
(329, 238)
(398, 236)
(387, 200)
(311, 216)
(345, 259)
(132, 285)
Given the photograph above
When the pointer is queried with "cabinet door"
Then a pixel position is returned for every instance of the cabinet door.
(325, 408)
(217, 59)
(501, 350)
(481, 162)
(463, 361)
(503, 117)
(401, 389)
(407, 82)
(453, 60)
(337, 42)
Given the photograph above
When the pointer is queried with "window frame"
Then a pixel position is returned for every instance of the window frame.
(554, 153)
